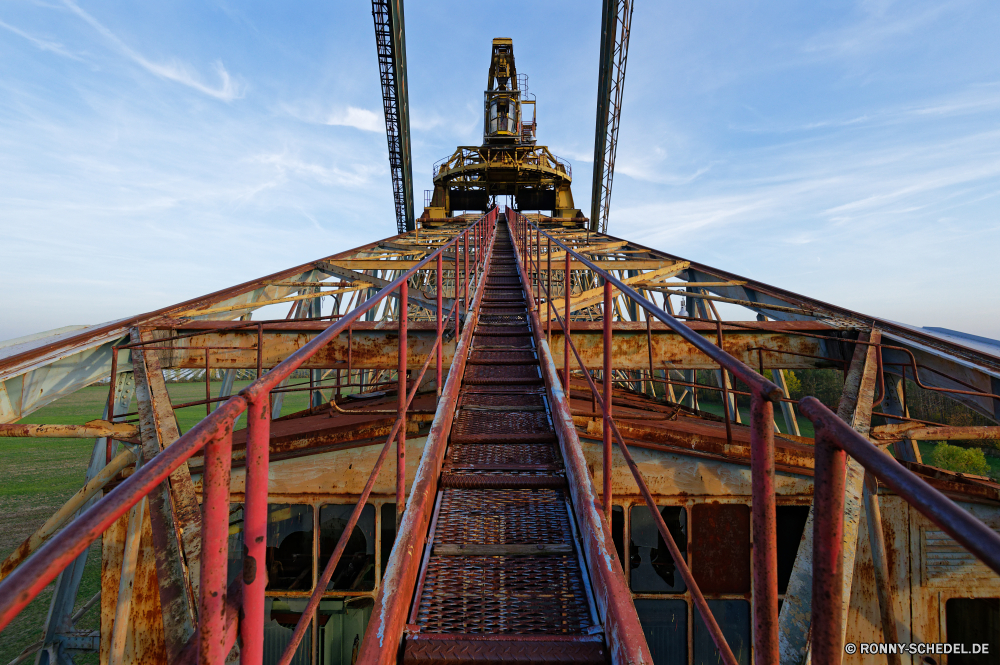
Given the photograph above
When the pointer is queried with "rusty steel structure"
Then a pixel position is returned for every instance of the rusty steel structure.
(390, 44)
(509, 452)
(616, 26)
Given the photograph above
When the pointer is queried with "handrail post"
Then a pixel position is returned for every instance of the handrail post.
(255, 530)
(765, 549)
(458, 300)
(566, 327)
(404, 293)
(548, 290)
(608, 383)
(440, 317)
(215, 546)
(538, 266)
(465, 264)
(830, 477)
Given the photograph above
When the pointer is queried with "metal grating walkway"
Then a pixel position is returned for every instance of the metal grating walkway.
(503, 577)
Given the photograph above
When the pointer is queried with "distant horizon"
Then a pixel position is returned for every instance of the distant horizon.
(153, 154)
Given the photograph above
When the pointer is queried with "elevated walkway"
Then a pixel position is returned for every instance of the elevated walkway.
(503, 578)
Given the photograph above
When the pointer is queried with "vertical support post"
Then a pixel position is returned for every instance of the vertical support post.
(548, 296)
(765, 531)
(215, 546)
(111, 399)
(608, 383)
(350, 344)
(458, 307)
(440, 318)
(123, 609)
(724, 380)
(566, 328)
(880, 562)
(404, 293)
(255, 530)
(649, 347)
(828, 549)
(465, 264)
(208, 385)
(260, 349)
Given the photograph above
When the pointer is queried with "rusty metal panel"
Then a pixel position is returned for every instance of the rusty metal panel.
(720, 547)
(864, 623)
(373, 345)
(145, 637)
(941, 569)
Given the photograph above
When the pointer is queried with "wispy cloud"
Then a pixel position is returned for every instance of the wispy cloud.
(362, 119)
(43, 44)
(227, 89)
(877, 29)
(287, 164)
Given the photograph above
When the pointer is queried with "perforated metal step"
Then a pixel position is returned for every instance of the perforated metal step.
(503, 578)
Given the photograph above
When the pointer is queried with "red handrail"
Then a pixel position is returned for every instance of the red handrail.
(834, 441)
(214, 434)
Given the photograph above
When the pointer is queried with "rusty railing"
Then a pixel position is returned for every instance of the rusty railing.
(217, 630)
(834, 440)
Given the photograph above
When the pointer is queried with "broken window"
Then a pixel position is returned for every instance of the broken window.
(664, 622)
(973, 621)
(720, 547)
(289, 547)
(618, 531)
(356, 569)
(791, 523)
(653, 569)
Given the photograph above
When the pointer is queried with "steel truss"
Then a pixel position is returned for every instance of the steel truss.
(616, 23)
(390, 43)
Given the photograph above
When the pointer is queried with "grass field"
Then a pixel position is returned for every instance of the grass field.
(39, 475)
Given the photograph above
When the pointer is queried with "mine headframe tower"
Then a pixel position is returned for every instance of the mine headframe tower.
(509, 162)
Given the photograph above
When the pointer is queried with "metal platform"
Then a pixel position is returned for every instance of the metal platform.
(503, 578)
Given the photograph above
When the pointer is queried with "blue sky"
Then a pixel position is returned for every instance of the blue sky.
(152, 152)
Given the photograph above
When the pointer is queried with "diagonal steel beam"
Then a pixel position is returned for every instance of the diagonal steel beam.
(616, 23)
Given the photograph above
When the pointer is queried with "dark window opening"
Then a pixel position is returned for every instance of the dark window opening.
(664, 622)
(791, 525)
(289, 547)
(618, 531)
(733, 617)
(653, 568)
(720, 547)
(388, 533)
(973, 621)
(356, 569)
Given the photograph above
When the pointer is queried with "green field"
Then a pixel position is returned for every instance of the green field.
(39, 475)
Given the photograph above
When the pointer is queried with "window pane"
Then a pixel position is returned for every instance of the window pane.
(973, 621)
(342, 628)
(289, 547)
(664, 623)
(388, 533)
(280, 618)
(720, 547)
(733, 617)
(791, 524)
(653, 568)
(356, 569)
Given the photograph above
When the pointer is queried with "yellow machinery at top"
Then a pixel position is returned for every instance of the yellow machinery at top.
(508, 163)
